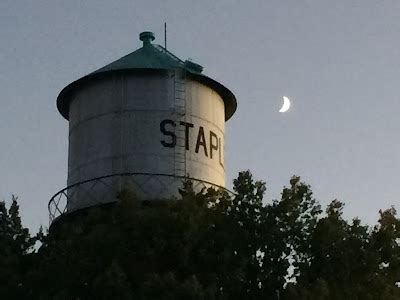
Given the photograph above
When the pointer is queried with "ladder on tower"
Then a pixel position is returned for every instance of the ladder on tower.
(180, 116)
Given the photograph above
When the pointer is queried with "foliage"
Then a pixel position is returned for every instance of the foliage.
(15, 246)
(205, 245)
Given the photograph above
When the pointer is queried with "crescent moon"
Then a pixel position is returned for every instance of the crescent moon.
(286, 105)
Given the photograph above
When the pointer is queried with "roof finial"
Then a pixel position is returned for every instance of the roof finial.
(147, 37)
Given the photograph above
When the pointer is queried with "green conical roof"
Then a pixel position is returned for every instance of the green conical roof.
(149, 57)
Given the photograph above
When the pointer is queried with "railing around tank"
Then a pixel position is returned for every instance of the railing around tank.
(58, 204)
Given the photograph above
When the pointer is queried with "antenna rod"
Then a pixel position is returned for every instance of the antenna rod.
(165, 35)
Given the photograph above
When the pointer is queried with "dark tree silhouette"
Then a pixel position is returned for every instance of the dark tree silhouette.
(205, 245)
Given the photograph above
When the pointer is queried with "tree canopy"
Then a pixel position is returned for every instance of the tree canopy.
(206, 245)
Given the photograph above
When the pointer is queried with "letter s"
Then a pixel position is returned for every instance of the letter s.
(168, 133)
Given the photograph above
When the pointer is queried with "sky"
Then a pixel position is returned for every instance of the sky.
(338, 62)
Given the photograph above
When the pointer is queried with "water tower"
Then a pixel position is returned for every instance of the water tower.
(145, 121)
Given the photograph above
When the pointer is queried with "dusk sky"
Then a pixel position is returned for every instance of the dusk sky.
(338, 61)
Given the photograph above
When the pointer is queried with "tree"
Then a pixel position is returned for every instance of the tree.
(200, 247)
(346, 261)
(295, 217)
(15, 243)
(206, 245)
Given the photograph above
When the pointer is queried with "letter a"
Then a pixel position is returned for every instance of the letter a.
(201, 141)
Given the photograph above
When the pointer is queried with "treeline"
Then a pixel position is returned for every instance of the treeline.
(204, 246)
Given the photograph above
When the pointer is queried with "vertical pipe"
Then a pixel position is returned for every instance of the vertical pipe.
(165, 35)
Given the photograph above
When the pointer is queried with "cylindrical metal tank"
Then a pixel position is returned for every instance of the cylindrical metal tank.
(144, 122)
